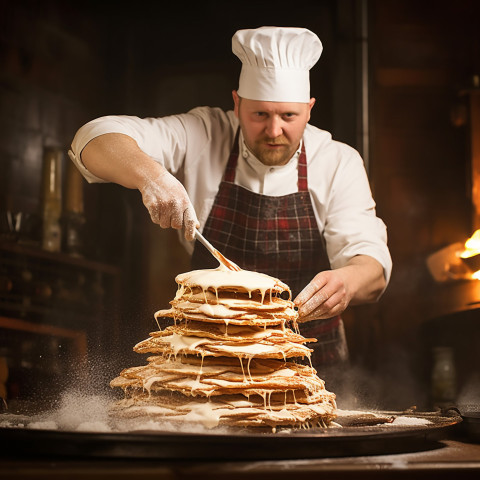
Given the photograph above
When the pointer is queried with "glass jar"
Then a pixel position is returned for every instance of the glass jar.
(443, 377)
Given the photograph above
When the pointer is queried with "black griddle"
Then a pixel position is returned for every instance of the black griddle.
(241, 445)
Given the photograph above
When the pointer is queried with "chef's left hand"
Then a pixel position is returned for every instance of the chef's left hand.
(361, 280)
(326, 296)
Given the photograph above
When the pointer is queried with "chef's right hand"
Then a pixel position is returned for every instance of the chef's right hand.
(168, 203)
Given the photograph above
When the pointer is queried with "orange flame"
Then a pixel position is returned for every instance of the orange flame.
(472, 245)
(472, 248)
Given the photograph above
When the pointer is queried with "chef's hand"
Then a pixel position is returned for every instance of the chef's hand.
(361, 280)
(115, 157)
(326, 296)
(168, 203)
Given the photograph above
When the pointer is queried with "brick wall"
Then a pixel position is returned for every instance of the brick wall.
(62, 64)
(51, 79)
(423, 54)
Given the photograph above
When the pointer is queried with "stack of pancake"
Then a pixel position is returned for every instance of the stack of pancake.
(229, 358)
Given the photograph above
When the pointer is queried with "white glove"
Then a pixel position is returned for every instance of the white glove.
(325, 296)
(168, 204)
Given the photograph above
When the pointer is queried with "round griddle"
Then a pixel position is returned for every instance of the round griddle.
(294, 444)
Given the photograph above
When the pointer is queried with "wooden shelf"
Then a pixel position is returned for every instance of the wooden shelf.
(37, 252)
(54, 296)
(78, 337)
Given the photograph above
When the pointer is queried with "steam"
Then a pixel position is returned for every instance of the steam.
(396, 384)
(85, 397)
(83, 404)
(79, 411)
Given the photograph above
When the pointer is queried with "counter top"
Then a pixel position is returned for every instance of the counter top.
(450, 458)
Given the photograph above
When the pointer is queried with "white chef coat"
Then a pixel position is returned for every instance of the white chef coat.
(195, 147)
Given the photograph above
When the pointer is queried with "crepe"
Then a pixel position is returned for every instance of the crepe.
(232, 410)
(229, 358)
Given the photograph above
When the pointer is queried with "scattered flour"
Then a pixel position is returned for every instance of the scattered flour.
(48, 425)
(82, 412)
(409, 421)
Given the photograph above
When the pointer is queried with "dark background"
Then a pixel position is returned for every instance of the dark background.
(65, 63)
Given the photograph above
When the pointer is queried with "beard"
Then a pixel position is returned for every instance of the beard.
(273, 152)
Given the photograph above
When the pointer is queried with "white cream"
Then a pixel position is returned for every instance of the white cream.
(252, 349)
(222, 278)
(181, 342)
(217, 311)
(203, 413)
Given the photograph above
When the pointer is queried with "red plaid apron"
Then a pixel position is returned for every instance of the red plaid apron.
(278, 236)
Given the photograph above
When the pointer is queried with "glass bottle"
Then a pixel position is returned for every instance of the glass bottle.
(52, 199)
(74, 215)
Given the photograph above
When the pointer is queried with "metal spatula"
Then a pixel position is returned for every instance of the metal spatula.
(224, 261)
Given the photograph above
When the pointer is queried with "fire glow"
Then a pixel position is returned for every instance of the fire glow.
(472, 249)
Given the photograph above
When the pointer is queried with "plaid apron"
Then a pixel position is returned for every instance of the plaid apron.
(278, 236)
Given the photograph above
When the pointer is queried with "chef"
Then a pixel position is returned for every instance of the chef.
(270, 191)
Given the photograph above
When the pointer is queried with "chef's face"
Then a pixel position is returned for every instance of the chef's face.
(272, 130)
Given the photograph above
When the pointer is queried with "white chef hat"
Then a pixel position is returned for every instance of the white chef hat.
(276, 63)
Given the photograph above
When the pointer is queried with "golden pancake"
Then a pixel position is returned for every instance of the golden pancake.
(227, 359)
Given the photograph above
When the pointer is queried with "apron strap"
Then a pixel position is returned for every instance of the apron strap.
(229, 175)
(302, 171)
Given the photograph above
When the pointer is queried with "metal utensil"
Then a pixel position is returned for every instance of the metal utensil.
(224, 261)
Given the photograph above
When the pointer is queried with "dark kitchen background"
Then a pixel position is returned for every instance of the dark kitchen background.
(398, 80)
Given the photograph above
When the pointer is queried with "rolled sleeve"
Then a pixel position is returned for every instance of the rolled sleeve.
(346, 210)
(367, 235)
(160, 138)
(87, 133)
